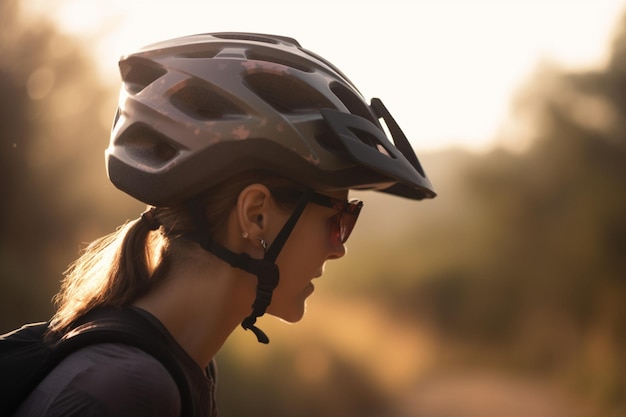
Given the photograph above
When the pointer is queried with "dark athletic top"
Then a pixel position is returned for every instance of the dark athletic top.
(111, 379)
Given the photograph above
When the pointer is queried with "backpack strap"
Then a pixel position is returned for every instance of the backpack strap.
(126, 326)
(24, 361)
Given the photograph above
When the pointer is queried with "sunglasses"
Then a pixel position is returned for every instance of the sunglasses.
(342, 223)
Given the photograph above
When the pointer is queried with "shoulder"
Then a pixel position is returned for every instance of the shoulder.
(110, 380)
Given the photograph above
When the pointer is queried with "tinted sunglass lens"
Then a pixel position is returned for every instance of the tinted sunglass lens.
(336, 233)
(347, 222)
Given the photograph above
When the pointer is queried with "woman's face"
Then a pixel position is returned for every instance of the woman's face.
(302, 259)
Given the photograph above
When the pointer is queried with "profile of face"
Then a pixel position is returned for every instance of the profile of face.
(303, 257)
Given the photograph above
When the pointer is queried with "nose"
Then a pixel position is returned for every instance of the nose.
(338, 251)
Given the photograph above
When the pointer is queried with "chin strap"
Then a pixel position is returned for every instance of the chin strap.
(265, 269)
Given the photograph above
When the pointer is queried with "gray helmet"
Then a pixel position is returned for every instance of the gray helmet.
(196, 110)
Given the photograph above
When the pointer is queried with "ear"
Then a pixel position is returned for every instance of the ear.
(253, 207)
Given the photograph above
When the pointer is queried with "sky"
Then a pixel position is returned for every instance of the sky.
(446, 69)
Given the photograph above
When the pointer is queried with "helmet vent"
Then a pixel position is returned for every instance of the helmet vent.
(370, 140)
(138, 74)
(331, 142)
(147, 146)
(280, 59)
(203, 104)
(201, 53)
(286, 94)
(353, 103)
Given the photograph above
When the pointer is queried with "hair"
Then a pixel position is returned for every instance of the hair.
(118, 268)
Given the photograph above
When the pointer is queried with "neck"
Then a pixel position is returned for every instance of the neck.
(201, 301)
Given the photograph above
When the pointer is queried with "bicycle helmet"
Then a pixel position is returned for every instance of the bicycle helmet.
(196, 110)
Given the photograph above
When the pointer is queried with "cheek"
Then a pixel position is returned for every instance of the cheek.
(299, 263)
(314, 239)
(307, 248)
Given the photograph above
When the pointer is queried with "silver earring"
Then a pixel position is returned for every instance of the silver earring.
(263, 243)
(244, 235)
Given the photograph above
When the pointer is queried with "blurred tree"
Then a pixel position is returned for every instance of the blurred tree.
(548, 280)
(55, 193)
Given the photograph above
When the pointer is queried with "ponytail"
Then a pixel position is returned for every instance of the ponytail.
(112, 271)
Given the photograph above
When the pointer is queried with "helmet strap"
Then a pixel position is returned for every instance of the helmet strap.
(266, 269)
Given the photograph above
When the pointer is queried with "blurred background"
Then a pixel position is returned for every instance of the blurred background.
(503, 296)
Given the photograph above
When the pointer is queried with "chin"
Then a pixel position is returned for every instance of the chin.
(292, 316)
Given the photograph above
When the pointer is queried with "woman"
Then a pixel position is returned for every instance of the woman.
(244, 146)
